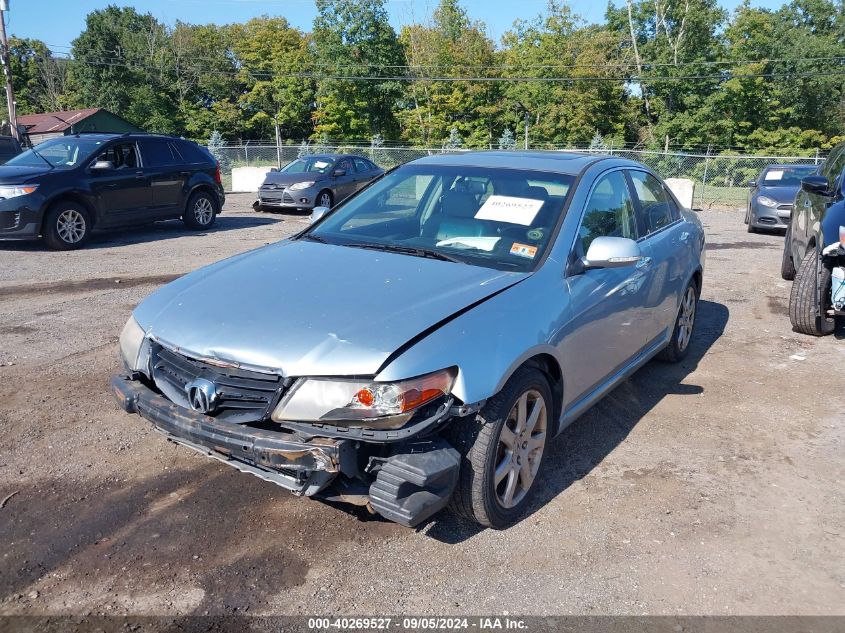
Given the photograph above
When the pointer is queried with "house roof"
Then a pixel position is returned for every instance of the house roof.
(47, 122)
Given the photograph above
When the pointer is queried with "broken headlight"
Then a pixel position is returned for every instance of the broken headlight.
(362, 403)
(131, 340)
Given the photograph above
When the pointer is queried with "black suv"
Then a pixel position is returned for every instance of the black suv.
(814, 250)
(64, 188)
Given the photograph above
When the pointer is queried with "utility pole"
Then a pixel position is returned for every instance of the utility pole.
(7, 70)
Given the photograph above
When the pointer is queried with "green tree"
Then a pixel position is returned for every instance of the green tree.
(120, 63)
(353, 38)
(452, 46)
(271, 56)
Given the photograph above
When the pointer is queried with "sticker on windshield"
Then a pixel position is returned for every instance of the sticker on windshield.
(775, 174)
(320, 164)
(523, 250)
(481, 243)
(509, 209)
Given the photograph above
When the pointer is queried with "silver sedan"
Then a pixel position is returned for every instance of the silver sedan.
(424, 341)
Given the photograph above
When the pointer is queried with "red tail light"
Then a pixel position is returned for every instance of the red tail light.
(217, 177)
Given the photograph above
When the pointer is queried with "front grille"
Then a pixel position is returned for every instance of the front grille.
(273, 187)
(243, 395)
(287, 197)
(785, 207)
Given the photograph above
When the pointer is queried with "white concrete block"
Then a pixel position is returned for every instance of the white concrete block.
(684, 190)
(248, 179)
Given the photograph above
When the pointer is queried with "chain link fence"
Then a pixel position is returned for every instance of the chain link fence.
(720, 180)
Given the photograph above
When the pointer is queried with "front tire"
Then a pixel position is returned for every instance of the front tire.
(806, 315)
(200, 212)
(324, 199)
(502, 449)
(67, 226)
(678, 347)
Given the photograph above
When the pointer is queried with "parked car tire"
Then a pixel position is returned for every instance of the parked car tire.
(802, 300)
(747, 215)
(502, 450)
(787, 266)
(67, 226)
(201, 211)
(324, 199)
(679, 344)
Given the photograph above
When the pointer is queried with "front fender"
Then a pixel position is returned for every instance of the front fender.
(488, 343)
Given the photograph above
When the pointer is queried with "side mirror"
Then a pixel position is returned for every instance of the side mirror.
(102, 165)
(337, 173)
(274, 169)
(611, 252)
(817, 185)
(752, 184)
(317, 213)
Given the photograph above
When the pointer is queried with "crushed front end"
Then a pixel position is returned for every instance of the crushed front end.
(397, 466)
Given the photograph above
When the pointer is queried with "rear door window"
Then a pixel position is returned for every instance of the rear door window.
(157, 153)
(656, 207)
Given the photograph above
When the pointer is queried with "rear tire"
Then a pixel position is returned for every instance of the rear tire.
(802, 300)
(67, 226)
(679, 344)
(505, 441)
(200, 212)
(787, 266)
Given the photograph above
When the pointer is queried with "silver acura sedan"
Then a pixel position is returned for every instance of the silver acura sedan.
(422, 343)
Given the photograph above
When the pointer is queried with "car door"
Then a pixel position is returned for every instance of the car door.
(810, 208)
(167, 175)
(668, 242)
(365, 172)
(604, 332)
(346, 184)
(122, 192)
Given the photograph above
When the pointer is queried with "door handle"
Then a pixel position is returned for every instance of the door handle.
(139, 175)
(644, 263)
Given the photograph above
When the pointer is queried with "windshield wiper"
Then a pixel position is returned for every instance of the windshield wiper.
(33, 150)
(313, 238)
(416, 251)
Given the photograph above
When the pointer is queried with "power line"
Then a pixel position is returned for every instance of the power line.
(267, 75)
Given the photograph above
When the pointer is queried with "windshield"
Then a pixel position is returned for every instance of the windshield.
(787, 176)
(317, 165)
(498, 218)
(61, 153)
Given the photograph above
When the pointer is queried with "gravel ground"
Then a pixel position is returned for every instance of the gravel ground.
(710, 487)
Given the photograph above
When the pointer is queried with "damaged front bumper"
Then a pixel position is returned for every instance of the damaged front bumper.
(407, 482)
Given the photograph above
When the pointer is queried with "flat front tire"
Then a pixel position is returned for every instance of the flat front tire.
(502, 450)
(67, 226)
(805, 313)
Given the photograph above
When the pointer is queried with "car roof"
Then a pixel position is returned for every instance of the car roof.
(572, 163)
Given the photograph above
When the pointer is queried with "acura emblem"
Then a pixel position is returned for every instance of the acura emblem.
(202, 395)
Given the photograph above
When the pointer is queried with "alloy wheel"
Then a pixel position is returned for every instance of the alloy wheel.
(686, 319)
(520, 449)
(325, 200)
(203, 211)
(70, 225)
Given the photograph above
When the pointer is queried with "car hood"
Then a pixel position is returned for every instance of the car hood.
(13, 175)
(281, 178)
(304, 308)
(780, 194)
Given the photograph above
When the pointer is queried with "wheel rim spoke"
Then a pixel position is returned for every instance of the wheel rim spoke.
(504, 467)
(70, 225)
(507, 436)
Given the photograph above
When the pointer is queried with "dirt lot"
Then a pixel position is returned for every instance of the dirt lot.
(713, 487)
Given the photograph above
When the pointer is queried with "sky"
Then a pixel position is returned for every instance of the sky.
(58, 22)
